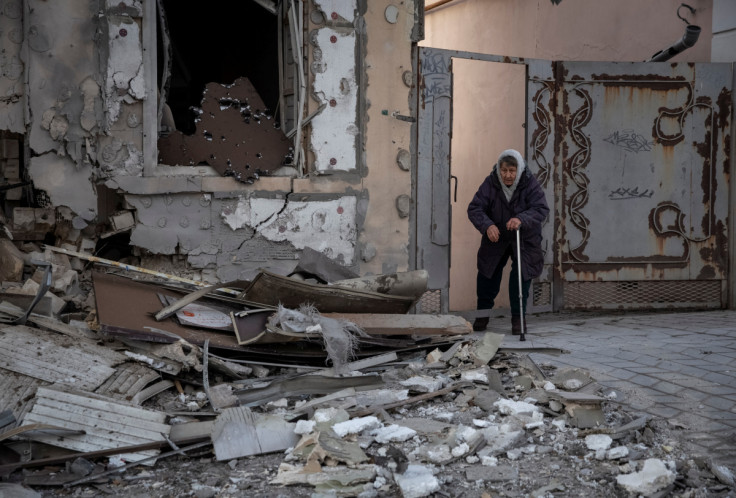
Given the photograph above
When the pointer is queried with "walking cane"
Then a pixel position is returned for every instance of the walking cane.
(521, 290)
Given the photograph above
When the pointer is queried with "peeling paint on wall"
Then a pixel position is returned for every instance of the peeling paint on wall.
(340, 8)
(326, 226)
(65, 184)
(334, 131)
(125, 78)
(11, 67)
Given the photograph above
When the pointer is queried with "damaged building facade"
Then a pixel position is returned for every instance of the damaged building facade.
(229, 141)
(225, 141)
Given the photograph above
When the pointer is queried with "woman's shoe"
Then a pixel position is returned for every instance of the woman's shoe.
(516, 325)
(480, 323)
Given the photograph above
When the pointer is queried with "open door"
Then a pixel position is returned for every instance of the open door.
(634, 159)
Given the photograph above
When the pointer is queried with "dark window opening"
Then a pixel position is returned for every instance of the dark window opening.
(217, 42)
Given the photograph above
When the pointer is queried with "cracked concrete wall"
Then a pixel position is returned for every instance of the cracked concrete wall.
(63, 101)
(86, 91)
(237, 236)
(85, 87)
(12, 85)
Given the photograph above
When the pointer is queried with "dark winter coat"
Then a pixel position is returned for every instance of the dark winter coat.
(490, 207)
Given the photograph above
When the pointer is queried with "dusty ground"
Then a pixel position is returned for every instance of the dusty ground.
(550, 460)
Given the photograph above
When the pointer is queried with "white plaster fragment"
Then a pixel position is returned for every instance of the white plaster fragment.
(617, 452)
(417, 481)
(393, 432)
(460, 450)
(355, 426)
(475, 375)
(598, 442)
(653, 477)
(304, 426)
(511, 407)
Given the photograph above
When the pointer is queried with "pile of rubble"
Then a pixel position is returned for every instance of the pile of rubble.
(319, 385)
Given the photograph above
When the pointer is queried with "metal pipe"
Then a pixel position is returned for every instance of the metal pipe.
(689, 39)
(521, 287)
(440, 3)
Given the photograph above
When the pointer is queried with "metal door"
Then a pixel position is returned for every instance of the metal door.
(634, 158)
(641, 183)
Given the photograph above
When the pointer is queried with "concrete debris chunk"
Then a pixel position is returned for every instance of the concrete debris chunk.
(617, 453)
(423, 383)
(355, 426)
(11, 262)
(416, 482)
(598, 442)
(511, 407)
(723, 474)
(393, 433)
(654, 476)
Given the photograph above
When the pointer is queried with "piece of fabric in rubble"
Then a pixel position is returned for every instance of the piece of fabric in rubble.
(339, 336)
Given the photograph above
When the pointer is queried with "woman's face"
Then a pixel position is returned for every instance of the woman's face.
(508, 174)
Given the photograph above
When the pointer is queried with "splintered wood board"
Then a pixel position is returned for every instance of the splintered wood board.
(107, 423)
(16, 393)
(393, 324)
(128, 380)
(56, 358)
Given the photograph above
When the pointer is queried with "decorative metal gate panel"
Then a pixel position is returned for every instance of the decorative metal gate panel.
(642, 169)
(634, 158)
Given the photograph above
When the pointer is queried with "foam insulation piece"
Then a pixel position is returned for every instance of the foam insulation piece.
(343, 8)
(11, 68)
(124, 81)
(334, 131)
(170, 220)
(65, 184)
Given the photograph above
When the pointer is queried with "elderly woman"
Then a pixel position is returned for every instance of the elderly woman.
(509, 199)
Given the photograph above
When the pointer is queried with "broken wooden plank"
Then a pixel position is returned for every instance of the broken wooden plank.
(307, 384)
(137, 269)
(128, 380)
(151, 391)
(25, 429)
(238, 432)
(418, 325)
(107, 423)
(17, 391)
(272, 289)
(55, 358)
(315, 402)
(353, 366)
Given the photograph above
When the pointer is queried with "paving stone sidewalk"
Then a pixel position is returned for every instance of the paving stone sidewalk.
(677, 366)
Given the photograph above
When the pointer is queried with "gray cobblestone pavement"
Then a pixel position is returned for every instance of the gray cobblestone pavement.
(677, 366)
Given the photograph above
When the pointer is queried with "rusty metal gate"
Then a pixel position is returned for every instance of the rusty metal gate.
(634, 159)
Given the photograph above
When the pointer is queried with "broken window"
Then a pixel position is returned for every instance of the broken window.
(218, 76)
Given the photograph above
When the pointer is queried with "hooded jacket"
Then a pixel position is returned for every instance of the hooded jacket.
(490, 207)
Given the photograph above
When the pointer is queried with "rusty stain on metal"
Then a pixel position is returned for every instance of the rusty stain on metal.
(234, 135)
